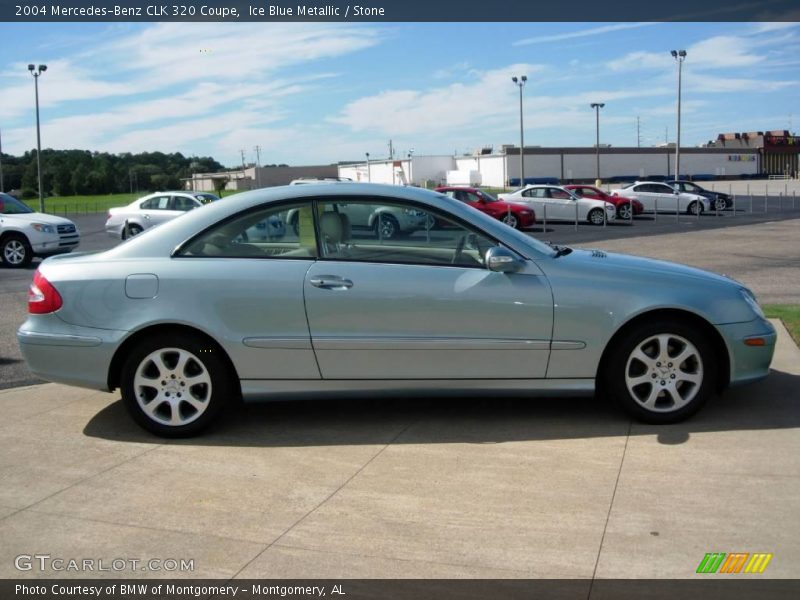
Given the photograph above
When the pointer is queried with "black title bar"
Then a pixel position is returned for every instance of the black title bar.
(397, 10)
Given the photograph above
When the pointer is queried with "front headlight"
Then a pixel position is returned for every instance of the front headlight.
(43, 228)
(750, 298)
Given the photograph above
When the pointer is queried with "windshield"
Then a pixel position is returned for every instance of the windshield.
(487, 197)
(11, 206)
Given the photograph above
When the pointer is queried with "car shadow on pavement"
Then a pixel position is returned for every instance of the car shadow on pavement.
(772, 404)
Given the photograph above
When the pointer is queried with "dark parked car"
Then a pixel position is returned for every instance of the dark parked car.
(718, 200)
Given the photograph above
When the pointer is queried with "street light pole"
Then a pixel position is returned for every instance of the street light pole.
(679, 56)
(597, 106)
(369, 175)
(520, 82)
(36, 73)
(410, 167)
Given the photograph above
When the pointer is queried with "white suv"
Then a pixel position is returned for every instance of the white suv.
(25, 233)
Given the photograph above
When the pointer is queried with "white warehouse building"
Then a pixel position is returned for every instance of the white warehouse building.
(566, 164)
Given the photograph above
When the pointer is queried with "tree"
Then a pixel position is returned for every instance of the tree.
(220, 183)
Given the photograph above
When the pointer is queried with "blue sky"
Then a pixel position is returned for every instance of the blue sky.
(321, 92)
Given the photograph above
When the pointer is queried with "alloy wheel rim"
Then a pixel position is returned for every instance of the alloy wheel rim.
(625, 212)
(596, 217)
(664, 373)
(172, 387)
(387, 228)
(14, 252)
(510, 220)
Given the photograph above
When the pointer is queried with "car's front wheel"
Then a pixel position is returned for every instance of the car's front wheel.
(596, 216)
(720, 204)
(386, 226)
(624, 212)
(695, 208)
(16, 252)
(511, 220)
(174, 385)
(662, 372)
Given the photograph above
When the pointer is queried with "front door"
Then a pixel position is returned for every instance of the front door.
(423, 306)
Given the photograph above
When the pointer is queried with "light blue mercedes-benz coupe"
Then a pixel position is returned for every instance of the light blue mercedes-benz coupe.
(190, 316)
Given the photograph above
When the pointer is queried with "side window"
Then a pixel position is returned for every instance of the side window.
(643, 188)
(663, 189)
(396, 232)
(579, 192)
(283, 231)
(155, 203)
(559, 194)
(183, 203)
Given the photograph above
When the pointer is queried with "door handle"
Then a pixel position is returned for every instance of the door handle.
(146, 216)
(331, 282)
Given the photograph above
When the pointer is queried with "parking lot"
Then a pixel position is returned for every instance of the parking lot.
(448, 488)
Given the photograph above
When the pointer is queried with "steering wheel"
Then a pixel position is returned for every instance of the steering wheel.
(458, 254)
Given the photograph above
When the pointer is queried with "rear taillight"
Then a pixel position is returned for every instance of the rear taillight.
(43, 298)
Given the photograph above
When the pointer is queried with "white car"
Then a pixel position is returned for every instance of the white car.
(25, 233)
(151, 210)
(558, 204)
(662, 197)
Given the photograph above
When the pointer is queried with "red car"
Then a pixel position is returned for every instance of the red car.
(518, 216)
(621, 203)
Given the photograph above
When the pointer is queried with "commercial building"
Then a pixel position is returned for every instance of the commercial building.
(253, 177)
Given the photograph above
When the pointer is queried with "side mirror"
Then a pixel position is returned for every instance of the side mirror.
(503, 260)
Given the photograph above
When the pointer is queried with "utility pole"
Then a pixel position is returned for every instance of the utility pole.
(638, 134)
(679, 56)
(520, 83)
(597, 106)
(391, 150)
(257, 148)
(36, 74)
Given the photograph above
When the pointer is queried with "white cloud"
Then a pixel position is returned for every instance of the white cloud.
(602, 30)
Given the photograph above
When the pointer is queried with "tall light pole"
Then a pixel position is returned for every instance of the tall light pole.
(520, 82)
(679, 56)
(36, 73)
(369, 175)
(597, 106)
(410, 167)
(2, 187)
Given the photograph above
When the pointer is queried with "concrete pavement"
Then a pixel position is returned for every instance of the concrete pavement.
(430, 489)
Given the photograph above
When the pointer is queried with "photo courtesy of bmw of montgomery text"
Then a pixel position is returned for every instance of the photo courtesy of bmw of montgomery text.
(188, 316)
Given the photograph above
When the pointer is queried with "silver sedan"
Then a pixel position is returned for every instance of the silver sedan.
(188, 317)
(151, 210)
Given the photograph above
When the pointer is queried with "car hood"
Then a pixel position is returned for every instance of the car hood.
(38, 217)
(645, 267)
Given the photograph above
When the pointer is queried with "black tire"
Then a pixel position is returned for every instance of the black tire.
(131, 230)
(511, 220)
(206, 362)
(719, 204)
(15, 251)
(386, 227)
(693, 207)
(665, 409)
(595, 216)
(624, 211)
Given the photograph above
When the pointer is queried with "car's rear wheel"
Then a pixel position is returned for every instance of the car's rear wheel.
(624, 211)
(662, 372)
(386, 227)
(174, 385)
(694, 208)
(16, 252)
(131, 230)
(511, 220)
(596, 216)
